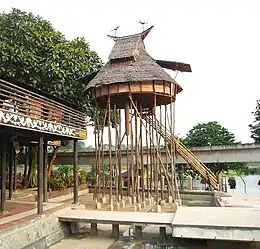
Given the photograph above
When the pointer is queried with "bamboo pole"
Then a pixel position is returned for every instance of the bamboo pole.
(161, 177)
(142, 154)
(151, 162)
(116, 155)
(166, 143)
(99, 157)
(102, 154)
(120, 156)
(156, 157)
(137, 182)
(160, 160)
(110, 154)
(147, 159)
(96, 156)
(132, 158)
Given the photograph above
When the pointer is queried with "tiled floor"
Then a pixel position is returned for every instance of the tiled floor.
(16, 208)
(21, 212)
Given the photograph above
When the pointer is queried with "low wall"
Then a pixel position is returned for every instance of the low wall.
(39, 233)
(189, 198)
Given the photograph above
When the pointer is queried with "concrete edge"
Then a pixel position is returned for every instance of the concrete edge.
(216, 233)
(217, 199)
(67, 196)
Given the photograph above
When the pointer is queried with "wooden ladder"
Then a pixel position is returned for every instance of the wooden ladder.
(182, 150)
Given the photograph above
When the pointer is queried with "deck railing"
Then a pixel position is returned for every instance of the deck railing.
(27, 109)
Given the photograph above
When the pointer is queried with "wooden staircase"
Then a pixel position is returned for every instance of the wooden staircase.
(182, 150)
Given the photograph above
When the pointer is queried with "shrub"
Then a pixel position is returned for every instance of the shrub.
(63, 178)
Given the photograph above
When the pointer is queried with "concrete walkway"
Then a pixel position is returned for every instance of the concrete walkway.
(241, 200)
(221, 223)
(124, 218)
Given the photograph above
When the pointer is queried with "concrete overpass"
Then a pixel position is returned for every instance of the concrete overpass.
(249, 153)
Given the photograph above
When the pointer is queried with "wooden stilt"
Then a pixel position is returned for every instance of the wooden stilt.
(147, 158)
(117, 173)
(161, 171)
(26, 162)
(127, 165)
(166, 145)
(142, 154)
(120, 156)
(3, 175)
(11, 165)
(15, 172)
(75, 171)
(110, 155)
(40, 176)
(96, 161)
(103, 167)
(98, 157)
(137, 182)
(132, 157)
(155, 155)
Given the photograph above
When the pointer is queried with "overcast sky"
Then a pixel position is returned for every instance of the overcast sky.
(218, 38)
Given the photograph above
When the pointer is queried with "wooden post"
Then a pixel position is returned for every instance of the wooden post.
(11, 164)
(161, 171)
(142, 154)
(40, 176)
(3, 175)
(127, 165)
(155, 153)
(166, 145)
(15, 172)
(120, 157)
(127, 121)
(98, 157)
(137, 184)
(147, 158)
(75, 171)
(117, 144)
(110, 154)
(172, 144)
(132, 158)
(45, 172)
(26, 163)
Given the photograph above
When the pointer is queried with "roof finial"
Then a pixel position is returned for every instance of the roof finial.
(115, 29)
(143, 23)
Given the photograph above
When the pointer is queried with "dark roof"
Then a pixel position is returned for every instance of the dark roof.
(35, 90)
(129, 62)
(174, 65)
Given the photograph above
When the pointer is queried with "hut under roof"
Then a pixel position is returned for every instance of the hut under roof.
(131, 69)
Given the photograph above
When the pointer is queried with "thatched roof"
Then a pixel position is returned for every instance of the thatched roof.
(129, 62)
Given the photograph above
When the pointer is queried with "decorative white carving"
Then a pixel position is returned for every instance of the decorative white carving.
(36, 124)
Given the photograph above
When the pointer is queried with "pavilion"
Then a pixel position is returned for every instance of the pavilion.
(33, 118)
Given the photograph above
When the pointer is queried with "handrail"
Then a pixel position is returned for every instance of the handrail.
(186, 153)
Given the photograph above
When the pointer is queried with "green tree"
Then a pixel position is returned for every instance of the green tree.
(32, 51)
(255, 126)
(209, 134)
(213, 134)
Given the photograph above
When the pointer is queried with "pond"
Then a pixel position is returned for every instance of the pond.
(250, 182)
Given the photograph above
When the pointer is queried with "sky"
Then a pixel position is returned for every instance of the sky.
(218, 38)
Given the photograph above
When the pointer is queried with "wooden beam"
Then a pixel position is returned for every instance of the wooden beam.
(76, 179)
(40, 176)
